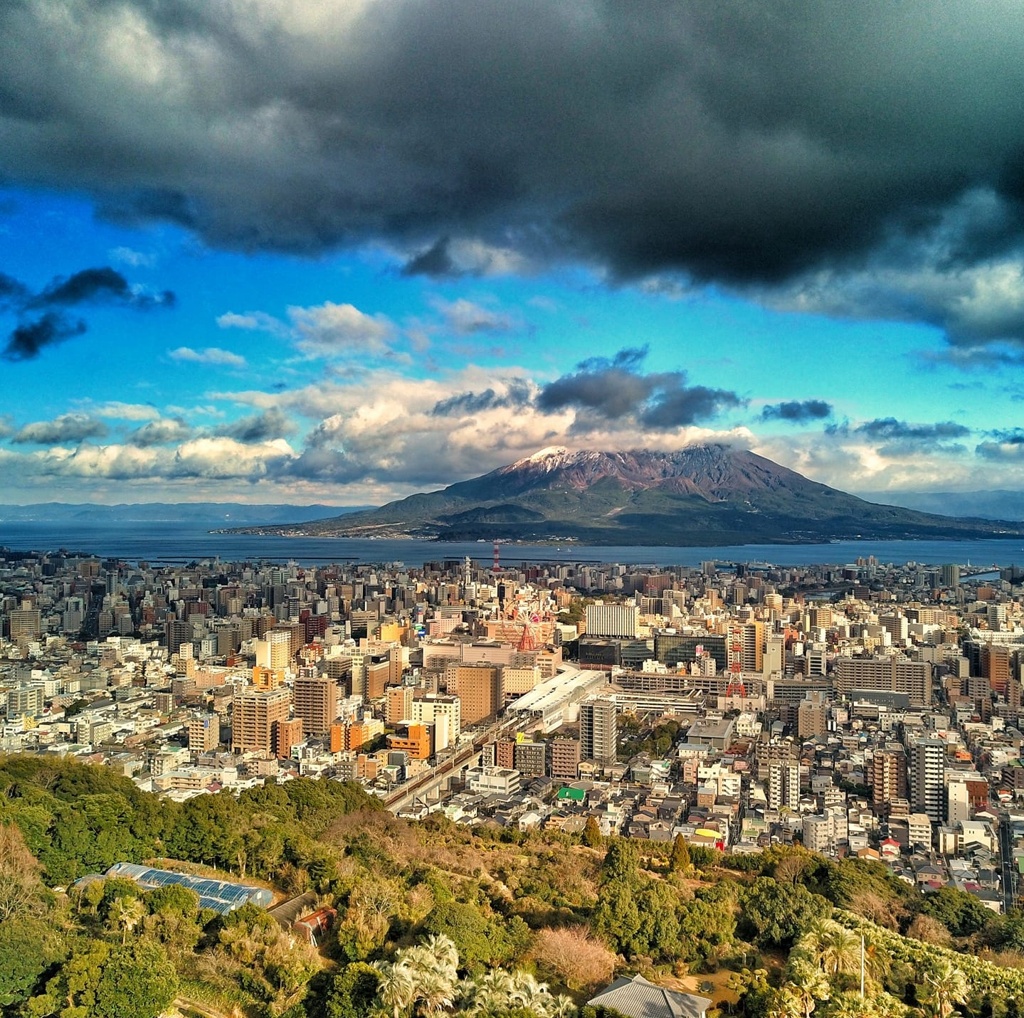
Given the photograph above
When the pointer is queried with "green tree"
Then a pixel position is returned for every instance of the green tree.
(679, 860)
(126, 914)
(777, 914)
(961, 913)
(836, 948)
(137, 982)
(592, 833)
(100, 981)
(351, 994)
(805, 982)
(28, 948)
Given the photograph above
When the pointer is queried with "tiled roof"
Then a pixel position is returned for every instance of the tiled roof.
(639, 998)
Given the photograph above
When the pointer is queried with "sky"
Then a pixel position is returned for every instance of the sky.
(340, 251)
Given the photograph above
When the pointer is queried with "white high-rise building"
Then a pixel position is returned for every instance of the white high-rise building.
(613, 620)
(783, 785)
(927, 775)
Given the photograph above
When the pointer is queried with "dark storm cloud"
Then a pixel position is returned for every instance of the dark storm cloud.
(517, 394)
(96, 286)
(747, 144)
(896, 438)
(66, 428)
(677, 405)
(12, 292)
(434, 261)
(258, 428)
(29, 339)
(892, 429)
(798, 411)
(88, 286)
(615, 388)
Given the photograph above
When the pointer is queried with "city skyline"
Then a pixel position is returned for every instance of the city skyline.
(343, 252)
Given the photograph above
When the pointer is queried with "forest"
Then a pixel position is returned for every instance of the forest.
(435, 918)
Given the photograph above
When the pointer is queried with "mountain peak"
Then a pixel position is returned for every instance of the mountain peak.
(707, 494)
(551, 452)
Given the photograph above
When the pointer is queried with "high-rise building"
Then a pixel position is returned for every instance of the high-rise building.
(479, 688)
(203, 733)
(530, 759)
(598, 730)
(285, 735)
(896, 674)
(613, 620)
(812, 716)
(753, 646)
(398, 704)
(26, 622)
(774, 658)
(444, 712)
(927, 777)
(888, 777)
(254, 714)
(783, 785)
(315, 699)
(958, 803)
(565, 758)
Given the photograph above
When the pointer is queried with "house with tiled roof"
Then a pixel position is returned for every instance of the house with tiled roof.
(637, 997)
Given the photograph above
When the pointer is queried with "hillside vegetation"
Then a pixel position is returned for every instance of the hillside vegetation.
(434, 918)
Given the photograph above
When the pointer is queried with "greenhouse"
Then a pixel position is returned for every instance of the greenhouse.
(218, 895)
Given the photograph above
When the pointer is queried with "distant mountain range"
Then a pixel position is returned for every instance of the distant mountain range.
(696, 496)
(986, 505)
(220, 514)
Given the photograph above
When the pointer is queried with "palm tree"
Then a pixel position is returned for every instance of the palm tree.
(806, 982)
(127, 914)
(435, 992)
(562, 1007)
(489, 994)
(942, 987)
(527, 992)
(785, 1004)
(443, 950)
(836, 948)
(397, 987)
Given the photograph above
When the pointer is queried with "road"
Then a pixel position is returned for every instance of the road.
(1006, 859)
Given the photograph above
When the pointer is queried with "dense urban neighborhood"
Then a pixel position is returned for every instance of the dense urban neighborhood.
(740, 715)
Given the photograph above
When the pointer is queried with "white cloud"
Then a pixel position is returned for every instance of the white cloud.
(208, 355)
(127, 411)
(129, 256)
(337, 329)
(253, 320)
(468, 317)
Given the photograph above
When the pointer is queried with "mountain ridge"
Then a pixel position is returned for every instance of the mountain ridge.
(699, 495)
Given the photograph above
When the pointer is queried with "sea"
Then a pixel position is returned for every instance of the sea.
(181, 542)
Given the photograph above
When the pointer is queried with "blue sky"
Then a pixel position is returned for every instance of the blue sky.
(347, 252)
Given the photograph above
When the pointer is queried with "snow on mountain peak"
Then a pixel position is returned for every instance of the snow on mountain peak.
(551, 452)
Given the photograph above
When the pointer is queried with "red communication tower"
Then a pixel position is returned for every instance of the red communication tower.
(497, 559)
